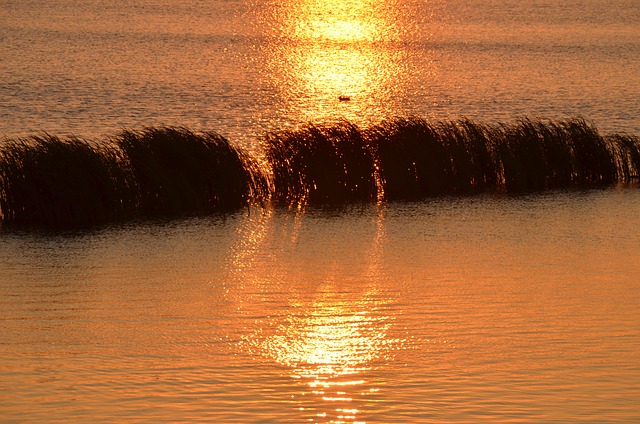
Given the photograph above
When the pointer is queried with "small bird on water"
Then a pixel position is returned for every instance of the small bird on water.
(344, 98)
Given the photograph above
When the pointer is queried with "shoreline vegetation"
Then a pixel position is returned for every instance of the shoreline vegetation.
(47, 181)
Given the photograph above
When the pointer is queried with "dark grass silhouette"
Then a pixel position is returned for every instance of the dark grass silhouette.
(539, 155)
(410, 159)
(167, 171)
(51, 182)
(175, 171)
(626, 150)
(47, 181)
(320, 164)
(416, 159)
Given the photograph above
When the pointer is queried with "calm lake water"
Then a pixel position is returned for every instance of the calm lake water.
(487, 308)
(245, 67)
(478, 309)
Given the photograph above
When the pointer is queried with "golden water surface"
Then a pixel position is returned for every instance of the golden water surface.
(484, 309)
(247, 67)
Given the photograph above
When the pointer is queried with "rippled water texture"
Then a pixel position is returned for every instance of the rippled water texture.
(479, 309)
(482, 309)
(247, 67)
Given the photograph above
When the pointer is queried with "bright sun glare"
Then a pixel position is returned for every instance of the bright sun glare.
(335, 20)
(332, 49)
(331, 346)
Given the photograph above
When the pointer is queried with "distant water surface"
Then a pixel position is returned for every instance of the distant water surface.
(247, 67)
(479, 309)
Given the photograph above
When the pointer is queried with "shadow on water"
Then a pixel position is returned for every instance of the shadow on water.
(49, 182)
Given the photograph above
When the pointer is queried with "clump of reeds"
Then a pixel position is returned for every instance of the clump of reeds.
(415, 158)
(175, 171)
(410, 158)
(320, 164)
(45, 180)
(537, 155)
(48, 181)
(626, 150)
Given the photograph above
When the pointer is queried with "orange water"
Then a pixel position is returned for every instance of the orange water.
(480, 309)
(245, 67)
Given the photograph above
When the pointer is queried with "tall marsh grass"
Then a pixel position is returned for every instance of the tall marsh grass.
(167, 171)
(53, 182)
(411, 158)
(416, 159)
(175, 171)
(47, 181)
(321, 164)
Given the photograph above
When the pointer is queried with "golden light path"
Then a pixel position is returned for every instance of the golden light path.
(337, 72)
(330, 348)
(336, 20)
(331, 48)
(334, 338)
(325, 324)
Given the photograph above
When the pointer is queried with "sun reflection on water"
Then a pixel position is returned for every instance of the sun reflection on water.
(336, 339)
(345, 71)
(330, 349)
(336, 20)
(327, 50)
(328, 331)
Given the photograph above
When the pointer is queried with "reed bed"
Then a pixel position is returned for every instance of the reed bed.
(167, 171)
(175, 171)
(539, 155)
(47, 181)
(320, 164)
(416, 159)
(52, 182)
(626, 150)
(411, 158)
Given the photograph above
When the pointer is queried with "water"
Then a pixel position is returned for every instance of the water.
(488, 308)
(479, 309)
(244, 68)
